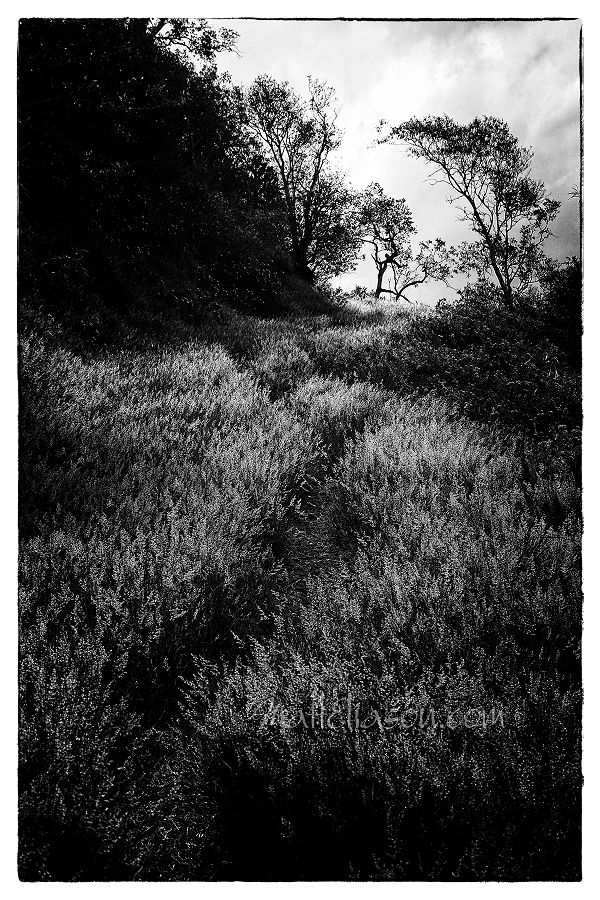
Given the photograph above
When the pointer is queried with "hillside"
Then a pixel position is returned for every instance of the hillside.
(300, 576)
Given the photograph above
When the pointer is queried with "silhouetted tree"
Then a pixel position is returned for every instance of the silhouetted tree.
(386, 224)
(430, 263)
(300, 138)
(489, 175)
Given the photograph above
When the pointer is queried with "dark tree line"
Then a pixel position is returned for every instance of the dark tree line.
(137, 179)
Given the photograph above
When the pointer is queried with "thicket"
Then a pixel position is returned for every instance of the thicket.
(139, 188)
(519, 367)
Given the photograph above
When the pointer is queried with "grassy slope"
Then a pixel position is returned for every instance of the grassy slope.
(252, 518)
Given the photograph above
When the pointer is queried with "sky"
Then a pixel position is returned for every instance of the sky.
(526, 73)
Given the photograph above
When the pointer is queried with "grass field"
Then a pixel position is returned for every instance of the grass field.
(295, 605)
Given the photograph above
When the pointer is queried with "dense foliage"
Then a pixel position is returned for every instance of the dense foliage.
(138, 186)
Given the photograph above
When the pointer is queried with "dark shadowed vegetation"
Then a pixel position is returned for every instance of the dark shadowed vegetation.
(139, 187)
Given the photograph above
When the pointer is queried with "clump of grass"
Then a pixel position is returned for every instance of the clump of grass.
(282, 366)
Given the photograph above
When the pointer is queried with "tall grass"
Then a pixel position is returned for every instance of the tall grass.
(225, 541)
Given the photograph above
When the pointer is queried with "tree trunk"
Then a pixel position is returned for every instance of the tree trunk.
(505, 286)
(380, 273)
(303, 270)
(306, 273)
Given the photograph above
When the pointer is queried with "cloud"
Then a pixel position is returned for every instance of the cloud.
(526, 73)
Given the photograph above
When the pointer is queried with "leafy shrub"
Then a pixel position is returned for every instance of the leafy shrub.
(499, 366)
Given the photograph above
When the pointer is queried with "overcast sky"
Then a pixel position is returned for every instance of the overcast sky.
(526, 73)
